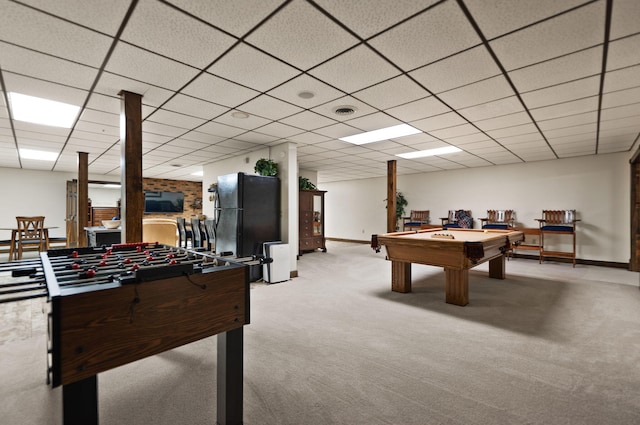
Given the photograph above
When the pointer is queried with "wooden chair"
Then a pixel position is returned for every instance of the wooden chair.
(183, 234)
(499, 219)
(558, 222)
(415, 220)
(210, 231)
(458, 219)
(30, 235)
(196, 233)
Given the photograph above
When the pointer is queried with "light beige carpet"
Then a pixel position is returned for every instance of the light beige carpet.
(548, 345)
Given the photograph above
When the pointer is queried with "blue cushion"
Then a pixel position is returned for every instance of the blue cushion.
(496, 226)
(557, 228)
(451, 226)
(414, 223)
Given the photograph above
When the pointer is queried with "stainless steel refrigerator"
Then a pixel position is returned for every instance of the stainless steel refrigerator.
(247, 213)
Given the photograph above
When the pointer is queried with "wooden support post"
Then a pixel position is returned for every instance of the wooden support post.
(82, 207)
(391, 196)
(132, 198)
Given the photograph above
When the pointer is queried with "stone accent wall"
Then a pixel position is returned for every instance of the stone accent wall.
(192, 196)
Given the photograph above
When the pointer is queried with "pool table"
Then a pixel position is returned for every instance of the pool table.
(455, 250)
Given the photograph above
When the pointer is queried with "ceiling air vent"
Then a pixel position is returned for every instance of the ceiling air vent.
(344, 110)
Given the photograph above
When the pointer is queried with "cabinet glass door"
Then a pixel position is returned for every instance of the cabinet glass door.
(317, 215)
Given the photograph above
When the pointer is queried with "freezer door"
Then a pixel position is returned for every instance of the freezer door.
(228, 230)
(229, 190)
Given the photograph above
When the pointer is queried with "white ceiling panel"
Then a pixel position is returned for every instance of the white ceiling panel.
(440, 32)
(171, 33)
(355, 69)
(290, 64)
(575, 30)
(298, 35)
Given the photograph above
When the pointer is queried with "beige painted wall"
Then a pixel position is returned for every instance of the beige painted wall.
(596, 186)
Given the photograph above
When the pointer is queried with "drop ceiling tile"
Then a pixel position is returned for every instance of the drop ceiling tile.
(503, 121)
(569, 121)
(575, 30)
(111, 85)
(397, 91)
(570, 131)
(468, 139)
(290, 91)
(195, 107)
(302, 36)
(620, 112)
(496, 108)
(175, 119)
(43, 33)
(101, 118)
(401, 142)
(192, 145)
(478, 93)
(41, 132)
(162, 129)
(373, 121)
(622, 79)
(251, 68)
(32, 64)
(219, 149)
(574, 90)
(279, 130)
(249, 123)
(621, 126)
(202, 138)
(537, 156)
(33, 87)
(566, 108)
(308, 120)
(439, 32)
(236, 144)
(91, 137)
(333, 144)
(171, 33)
(513, 131)
(437, 122)
(132, 62)
(454, 71)
(497, 17)
(419, 109)
(621, 98)
(460, 130)
(624, 18)
(373, 16)
(571, 67)
(213, 89)
(237, 17)
(623, 53)
(308, 138)
(355, 69)
(221, 130)
(270, 107)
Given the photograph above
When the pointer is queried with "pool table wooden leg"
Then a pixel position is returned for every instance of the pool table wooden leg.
(496, 268)
(457, 286)
(400, 276)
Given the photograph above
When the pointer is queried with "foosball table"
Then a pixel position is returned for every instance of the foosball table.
(114, 305)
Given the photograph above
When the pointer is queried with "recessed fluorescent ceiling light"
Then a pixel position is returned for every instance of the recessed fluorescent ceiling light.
(112, 186)
(198, 173)
(382, 134)
(39, 155)
(430, 152)
(42, 111)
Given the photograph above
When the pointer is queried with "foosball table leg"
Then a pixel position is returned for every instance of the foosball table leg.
(80, 402)
(229, 377)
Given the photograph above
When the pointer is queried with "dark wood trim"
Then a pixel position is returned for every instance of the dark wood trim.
(634, 260)
(391, 196)
(349, 240)
(613, 264)
(131, 166)
(82, 208)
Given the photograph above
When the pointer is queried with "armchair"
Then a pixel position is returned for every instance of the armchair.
(458, 219)
(415, 220)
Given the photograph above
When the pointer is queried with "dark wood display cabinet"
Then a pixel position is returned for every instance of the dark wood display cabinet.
(311, 218)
